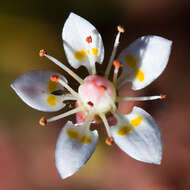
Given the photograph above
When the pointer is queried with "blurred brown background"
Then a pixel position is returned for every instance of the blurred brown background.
(27, 150)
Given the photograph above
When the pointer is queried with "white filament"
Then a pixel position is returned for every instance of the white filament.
(69, 71)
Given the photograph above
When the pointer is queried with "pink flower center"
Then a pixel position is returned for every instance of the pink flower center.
(97, 92)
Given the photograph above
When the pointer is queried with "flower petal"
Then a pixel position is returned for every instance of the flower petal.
(74, 147)
(35, 89)
(78, 51)
(137, 135)
(144, 60)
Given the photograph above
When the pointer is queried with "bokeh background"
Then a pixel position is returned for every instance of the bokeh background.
(27, 149)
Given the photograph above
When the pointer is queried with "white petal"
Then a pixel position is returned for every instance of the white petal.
(35, 87)
(137, 135)
(74, 148)
(144, 60)
(78, 51)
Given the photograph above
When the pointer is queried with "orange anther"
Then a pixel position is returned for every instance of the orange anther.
(163, 96)
(117, 64)
(42, 53)
(89, 39)
(109, 141)
(90, 103)
(120, 29)
(43, 121)
(54, 78)
(102, 88)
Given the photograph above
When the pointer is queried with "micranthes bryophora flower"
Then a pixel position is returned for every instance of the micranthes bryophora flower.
(96, 100)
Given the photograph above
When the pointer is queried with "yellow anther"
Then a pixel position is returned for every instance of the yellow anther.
(117, 64)
(109, 141)
(42, 53)
(163, 96)
(89, 39)
(43, 121)
(102, 88)
(120, 29)
(54, 78)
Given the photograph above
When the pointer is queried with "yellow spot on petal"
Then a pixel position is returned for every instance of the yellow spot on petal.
(73, 134)
(88, 52)
(137, 121)
(52, 86)
(95, 51)
(140, 75)
(85, 139)
(124, 130)
(51, 100)
(81, 54)
(131, 61)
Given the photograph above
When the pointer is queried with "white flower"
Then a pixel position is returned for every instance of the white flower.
(141, 63)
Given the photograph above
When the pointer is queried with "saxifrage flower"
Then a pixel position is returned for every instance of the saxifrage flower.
(141, 63)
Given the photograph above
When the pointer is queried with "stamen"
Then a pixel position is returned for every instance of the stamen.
(145, 98)
(163, 96)
(102, 116)
(120, 29)
(43, 121)
(117, 65)
(43, 53)
(70, 112)
(102, 88)
(116, 43)
(109, 141)
(90, 104)
(69, 97)
(56, 78)
(89, 39)
(91, 58)
(88, 121)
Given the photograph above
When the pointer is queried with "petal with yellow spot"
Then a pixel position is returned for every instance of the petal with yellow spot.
(52, 86)
(124, 130)
(85, 139)
(81, 54)
(95, 51)
(140, 75)
(51, 100)
(136, 121)
(73, 134)
(131, 61)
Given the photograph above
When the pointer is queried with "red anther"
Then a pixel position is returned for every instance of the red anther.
(89, 39)
(42, 53)
(117, 64)
(102, 88)
(120, 29)
(90, 103)
(54, 78)
(109, 141)
(43, 121)
(163, 96)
